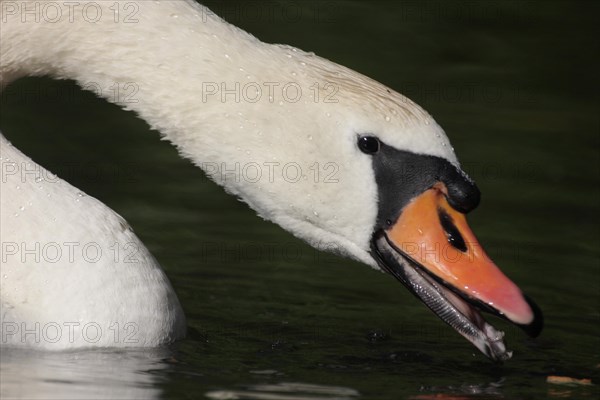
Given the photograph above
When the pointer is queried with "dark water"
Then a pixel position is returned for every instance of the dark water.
(514, 84)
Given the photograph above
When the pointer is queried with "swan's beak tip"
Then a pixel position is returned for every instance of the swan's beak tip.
(535, 327)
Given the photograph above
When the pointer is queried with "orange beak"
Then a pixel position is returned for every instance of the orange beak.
(432, 250)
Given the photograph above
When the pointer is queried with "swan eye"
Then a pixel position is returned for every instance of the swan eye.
(368, 144)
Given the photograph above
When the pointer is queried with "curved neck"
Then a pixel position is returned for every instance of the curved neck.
(207, 87)
(229, 102)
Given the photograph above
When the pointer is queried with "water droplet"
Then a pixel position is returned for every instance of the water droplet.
(328, 115)
(426, 122)
(174, 15)
(294, 74)
(420, 231)
(22, 208)
(387, 118)
(38, 179)
(16, 215)
(309, 137)
(281, 103)
(289, 55)
(18, 187)
(4, 276)
(316, 213)
(248, 152)
(303, 63)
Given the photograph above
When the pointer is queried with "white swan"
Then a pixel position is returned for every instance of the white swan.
(395, 200)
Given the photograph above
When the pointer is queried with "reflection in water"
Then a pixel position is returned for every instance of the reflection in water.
(286, 391)
(92, 374)
(490, 390)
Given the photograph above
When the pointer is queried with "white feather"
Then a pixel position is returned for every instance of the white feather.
(272, 113)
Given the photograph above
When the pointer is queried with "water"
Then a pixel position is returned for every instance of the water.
(514, 84)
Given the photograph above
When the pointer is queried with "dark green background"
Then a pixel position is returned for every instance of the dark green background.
(515, 86)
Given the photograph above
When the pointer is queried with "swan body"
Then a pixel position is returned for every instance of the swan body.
(223, 98)
(75, 275)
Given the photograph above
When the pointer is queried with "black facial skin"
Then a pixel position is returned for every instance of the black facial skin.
(402, 176)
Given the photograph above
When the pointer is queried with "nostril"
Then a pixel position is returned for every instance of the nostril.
(454, 237)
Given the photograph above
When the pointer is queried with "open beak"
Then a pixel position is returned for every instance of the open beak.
(431, 249)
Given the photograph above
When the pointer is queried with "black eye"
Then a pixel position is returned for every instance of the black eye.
(368, 144)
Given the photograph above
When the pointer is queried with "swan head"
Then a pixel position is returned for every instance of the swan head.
(353, 167)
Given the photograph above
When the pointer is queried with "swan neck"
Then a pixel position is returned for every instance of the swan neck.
(151, 57)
